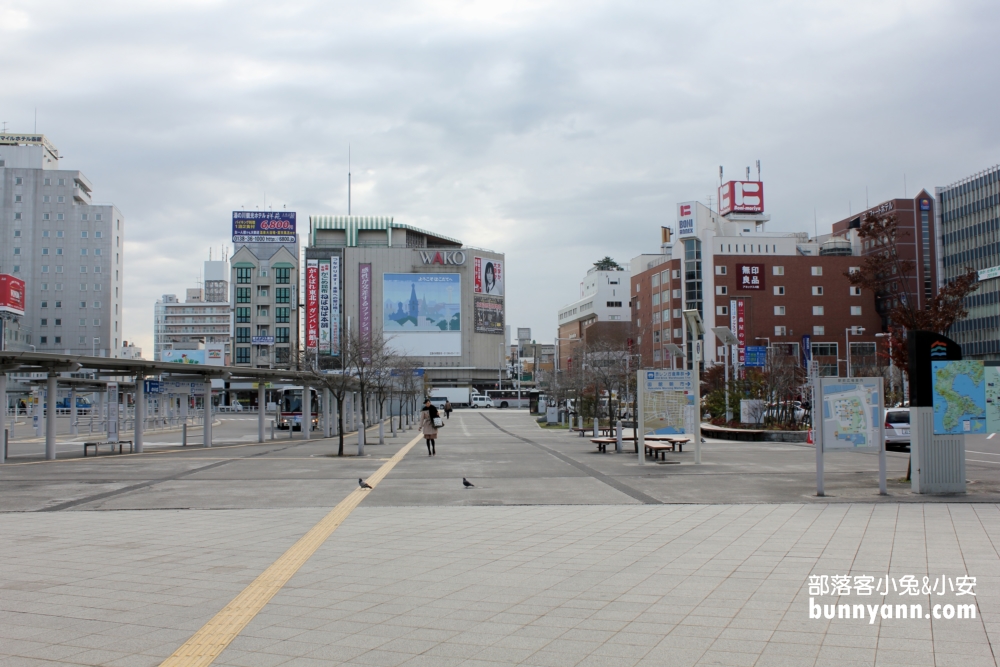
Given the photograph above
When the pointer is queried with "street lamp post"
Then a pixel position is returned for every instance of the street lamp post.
(857, 331)
(728, 339)
(892, 376)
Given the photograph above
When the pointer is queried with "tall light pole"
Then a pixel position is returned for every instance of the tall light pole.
(857, 331)
(728, 339)
(892, 376)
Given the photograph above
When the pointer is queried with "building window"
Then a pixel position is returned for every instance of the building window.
(678, 333)
(17, 268)
(281, 334)
(83, 235)
(243, 355)
(45, 322)
(243, 275)
(243, 315)
(779, 290)
(656, 300)
(282, 355)
(83, 251)
(17, 251)
(779, 310)
(722, 310)
(855, 291)
(43, 340)
(779, 331)
(242, 295)
(656, 317)
(59, 251)
(58, 322)
(817, 290)
(283, 295)
(655, 280)
(242, 334)
(283, 276)
(98, 218)
(817, 270)
(263, 291)
(721, 290)
(58, 340)
(83, 321)
(656, 335)
(45, 304)
(778, 270)
(819, 331)
(263, 311)
(59, 216)
(720, 270)
(817, 310)
(855, 310)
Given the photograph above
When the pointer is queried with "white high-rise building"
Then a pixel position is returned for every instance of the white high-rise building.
(202, 321)
(68, 250)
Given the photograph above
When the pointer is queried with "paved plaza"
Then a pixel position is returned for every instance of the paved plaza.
(558, 556)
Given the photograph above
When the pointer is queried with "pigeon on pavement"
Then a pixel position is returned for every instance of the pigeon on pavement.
(363, 484)
(467, 483)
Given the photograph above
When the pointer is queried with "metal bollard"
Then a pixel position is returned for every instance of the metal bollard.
(272, 429)
(184, 435)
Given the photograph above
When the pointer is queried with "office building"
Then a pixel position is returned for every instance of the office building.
(427, 296)
(969, 220)
(784, 291)
(200, 322)
(915, 244)
(264, 290)
(68, 250)
(600, 313)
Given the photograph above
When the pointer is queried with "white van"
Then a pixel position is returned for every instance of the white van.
(480, 401)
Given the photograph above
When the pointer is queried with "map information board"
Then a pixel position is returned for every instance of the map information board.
(852, 413)
(959, 397)
(992, 398)
(667, 398)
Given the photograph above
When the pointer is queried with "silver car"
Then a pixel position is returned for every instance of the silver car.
(897, 428)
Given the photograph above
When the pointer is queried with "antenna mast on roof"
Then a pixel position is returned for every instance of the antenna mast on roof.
(758, 171)
(348, 179)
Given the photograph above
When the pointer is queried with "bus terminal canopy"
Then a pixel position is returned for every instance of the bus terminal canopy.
(44, 362)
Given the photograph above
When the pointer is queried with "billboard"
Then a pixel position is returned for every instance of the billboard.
(666, 401)
(335, 306)
(324, 306)
(750, 276)
(422, 313)
(215, 354)
(312, 303)
(488, 314)
(741, 197)
(685, 219)
(489, 276)
(737, 319)
(365, 306)
(183, 356)
(263, 227)
(11, 294)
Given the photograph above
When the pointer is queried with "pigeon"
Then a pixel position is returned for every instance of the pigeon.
(363, 484)
(467, 483)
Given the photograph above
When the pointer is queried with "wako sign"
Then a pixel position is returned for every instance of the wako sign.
(263, 227)
(445, 258)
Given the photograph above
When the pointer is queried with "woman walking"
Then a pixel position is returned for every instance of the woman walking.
(429, 420)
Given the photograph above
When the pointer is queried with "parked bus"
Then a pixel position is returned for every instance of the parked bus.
(290, 406)
(507, 398)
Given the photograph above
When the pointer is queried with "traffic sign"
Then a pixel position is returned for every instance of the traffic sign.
(756, 356)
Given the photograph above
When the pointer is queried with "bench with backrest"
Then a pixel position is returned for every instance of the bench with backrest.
(100, 443)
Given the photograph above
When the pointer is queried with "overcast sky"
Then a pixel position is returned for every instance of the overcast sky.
(556, 132)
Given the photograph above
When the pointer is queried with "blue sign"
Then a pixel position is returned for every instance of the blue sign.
(262, 340)
(152, 387)
(756, 356)
(807, 350)
(417, 372)
(263, 227)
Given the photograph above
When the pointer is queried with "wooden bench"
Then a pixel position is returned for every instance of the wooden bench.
(97, 444)
(602, 443)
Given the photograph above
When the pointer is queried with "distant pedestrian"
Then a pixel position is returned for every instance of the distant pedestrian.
(430, 421)
(447, 409)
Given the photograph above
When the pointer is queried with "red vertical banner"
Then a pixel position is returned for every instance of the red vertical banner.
(312, 304)
(365, 306)
(741, 329)
(478, 265)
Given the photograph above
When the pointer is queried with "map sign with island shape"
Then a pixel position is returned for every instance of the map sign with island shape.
(959, 397)
(992, 398)
(850, 413)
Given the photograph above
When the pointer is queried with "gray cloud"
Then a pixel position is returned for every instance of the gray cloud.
(556, 132)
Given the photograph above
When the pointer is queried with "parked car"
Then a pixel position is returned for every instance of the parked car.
(897, 428)
(791, 409)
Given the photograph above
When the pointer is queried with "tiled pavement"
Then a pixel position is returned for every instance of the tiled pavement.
(542, 585)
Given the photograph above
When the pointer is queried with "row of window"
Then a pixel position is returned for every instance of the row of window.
(58, 322)
(58, 304)
(281, 315)
(281, 294)
(59, 234)
(244, 275)
(281, 334)
(57, 340)
(281, 354)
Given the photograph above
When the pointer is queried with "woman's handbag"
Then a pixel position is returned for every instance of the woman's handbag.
(438, 422)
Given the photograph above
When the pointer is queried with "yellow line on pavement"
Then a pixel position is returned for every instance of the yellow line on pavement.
(213, 637)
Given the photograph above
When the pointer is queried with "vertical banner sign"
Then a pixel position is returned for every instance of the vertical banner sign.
(733, 326)
(112, 412)
(807, 350)
(478, 265)
(312, 303)
(324, 306)
(741, 331)
(365, 305)
(335, 306)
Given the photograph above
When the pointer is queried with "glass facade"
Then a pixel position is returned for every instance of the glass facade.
(970, 238)
(693, 295)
